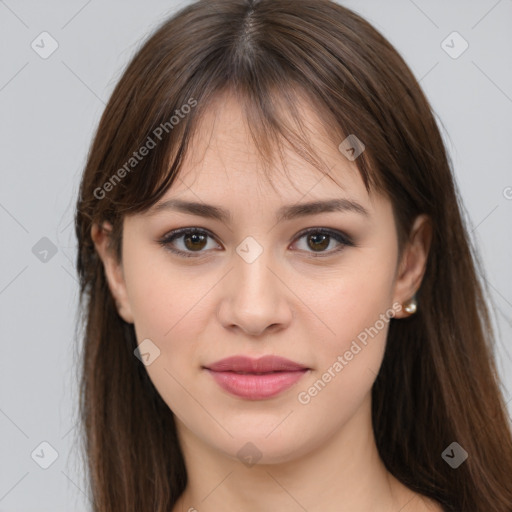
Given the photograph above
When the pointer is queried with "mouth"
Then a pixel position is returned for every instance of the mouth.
(256, 379)
(262, 365)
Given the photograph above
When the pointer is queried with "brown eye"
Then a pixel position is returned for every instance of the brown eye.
(187, 241)
(195, 241)
(318, 242)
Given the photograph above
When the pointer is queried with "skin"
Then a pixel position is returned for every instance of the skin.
(198, 310)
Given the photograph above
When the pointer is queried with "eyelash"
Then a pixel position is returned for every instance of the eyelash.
(340, 237)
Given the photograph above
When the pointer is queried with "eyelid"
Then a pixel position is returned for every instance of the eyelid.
(334, 233)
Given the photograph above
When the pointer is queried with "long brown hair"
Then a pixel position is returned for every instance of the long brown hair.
(438, 381)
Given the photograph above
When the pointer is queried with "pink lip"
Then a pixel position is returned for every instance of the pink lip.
(256, 379)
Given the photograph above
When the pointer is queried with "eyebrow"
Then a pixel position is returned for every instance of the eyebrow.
(287, 212)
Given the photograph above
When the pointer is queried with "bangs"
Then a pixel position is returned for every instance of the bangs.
(273, 120)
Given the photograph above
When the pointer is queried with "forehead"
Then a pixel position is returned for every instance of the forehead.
(224, 162)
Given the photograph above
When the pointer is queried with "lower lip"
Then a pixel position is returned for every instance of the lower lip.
(256, 387)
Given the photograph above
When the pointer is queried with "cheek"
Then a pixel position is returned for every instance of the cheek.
(347, 365)
(165, 303)
(162, 295)
(350, 356)
(357, 308)
(353, 300)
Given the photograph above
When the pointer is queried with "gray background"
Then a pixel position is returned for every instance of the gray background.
(50, 109)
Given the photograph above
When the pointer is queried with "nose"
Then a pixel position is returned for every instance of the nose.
(254, 298)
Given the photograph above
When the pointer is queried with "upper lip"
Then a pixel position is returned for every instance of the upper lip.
(265, 364)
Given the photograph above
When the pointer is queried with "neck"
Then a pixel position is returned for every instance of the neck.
(344, 472)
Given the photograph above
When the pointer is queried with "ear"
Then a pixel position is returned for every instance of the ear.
(101, 236)
(413, 263)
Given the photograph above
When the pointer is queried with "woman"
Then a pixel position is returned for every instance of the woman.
(296, 333)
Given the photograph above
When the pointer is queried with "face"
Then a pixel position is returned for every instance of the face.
(269, 279)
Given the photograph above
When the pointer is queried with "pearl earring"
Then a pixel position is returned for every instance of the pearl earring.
(411, 306)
